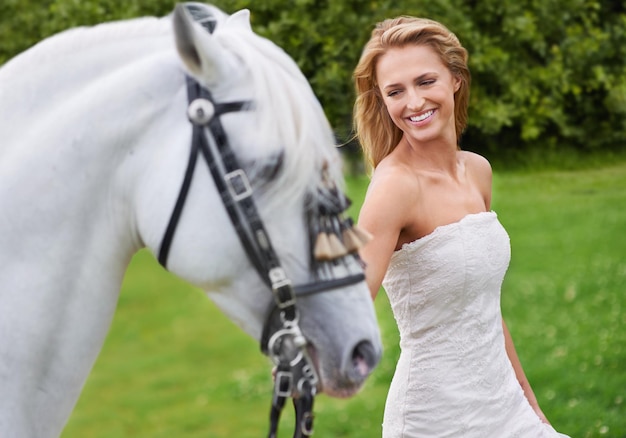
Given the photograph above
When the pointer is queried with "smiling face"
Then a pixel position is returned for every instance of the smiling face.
(418, 91)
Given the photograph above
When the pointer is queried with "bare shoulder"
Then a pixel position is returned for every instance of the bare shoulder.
(393, 189)
(479, 170)
(395, 180)
(477, 164)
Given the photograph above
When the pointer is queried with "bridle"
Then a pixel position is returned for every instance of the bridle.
(282, 339)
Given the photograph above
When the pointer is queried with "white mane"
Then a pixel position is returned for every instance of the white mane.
(285, 101)
(287, 105)
(78, 39)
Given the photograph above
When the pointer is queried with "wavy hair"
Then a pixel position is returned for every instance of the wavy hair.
(374, 129)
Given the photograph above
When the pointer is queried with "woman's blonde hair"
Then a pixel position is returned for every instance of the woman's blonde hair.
(374, 128)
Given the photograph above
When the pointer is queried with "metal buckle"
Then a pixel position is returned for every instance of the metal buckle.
(238, 184)
(309, 373)
(281, 286)
(306, 425)
(278, 277)
(283, 378)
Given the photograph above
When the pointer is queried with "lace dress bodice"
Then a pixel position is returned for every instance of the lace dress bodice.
(454, 378)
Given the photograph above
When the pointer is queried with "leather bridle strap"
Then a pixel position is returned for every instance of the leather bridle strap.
(282, 339)
(230, 180)
(235, 191)
(199, 144)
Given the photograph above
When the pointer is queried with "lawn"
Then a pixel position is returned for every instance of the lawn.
(173, 366)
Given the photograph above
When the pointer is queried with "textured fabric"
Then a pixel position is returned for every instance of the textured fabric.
(454, 378)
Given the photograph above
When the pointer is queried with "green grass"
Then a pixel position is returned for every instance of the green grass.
(173, 366)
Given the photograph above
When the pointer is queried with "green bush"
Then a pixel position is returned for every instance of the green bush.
(546, 74)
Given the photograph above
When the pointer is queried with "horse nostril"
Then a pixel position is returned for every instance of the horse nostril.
(364, 358)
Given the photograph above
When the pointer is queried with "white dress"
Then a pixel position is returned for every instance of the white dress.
(454, 378)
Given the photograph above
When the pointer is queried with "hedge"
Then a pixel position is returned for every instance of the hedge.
(546, 74)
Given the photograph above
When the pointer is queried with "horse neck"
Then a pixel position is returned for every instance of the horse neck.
(70, 122)
(91, 114)
(68, 162)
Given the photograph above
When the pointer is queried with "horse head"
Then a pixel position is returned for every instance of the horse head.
(121, 159)
(272, 122)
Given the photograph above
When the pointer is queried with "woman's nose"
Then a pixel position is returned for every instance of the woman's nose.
(415, 100)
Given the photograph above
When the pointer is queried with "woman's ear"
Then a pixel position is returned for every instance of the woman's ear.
(457, 82)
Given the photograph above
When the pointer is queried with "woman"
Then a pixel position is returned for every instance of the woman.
(438, 250)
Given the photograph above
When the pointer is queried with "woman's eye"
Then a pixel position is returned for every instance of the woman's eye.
(428, 82)
(393, 93)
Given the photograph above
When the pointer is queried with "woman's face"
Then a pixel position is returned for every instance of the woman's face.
(418, 91)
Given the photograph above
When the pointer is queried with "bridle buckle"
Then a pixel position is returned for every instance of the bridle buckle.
(238, 184)
(284, 384)
(284, 295)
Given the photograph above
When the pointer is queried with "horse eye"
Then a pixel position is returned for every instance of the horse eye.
(273, 166)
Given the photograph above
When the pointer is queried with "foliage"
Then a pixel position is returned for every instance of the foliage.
(174, 366)
(25, 22)
(551, 73)
(545, 72)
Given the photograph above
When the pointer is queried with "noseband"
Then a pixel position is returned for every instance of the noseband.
(282, 339)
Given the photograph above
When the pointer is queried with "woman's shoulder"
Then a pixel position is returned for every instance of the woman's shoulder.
(393, 175)
(392, 184)
(479, 170)
(476, 163)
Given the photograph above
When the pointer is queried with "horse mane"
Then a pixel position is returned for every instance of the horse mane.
(292, 121)
(287, 106)
(77, 39)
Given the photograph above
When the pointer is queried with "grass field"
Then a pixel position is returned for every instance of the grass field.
(173, 366)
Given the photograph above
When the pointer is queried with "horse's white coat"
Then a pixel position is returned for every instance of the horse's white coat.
(93, 146)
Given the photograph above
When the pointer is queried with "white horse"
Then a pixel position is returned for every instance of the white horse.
(94, 143)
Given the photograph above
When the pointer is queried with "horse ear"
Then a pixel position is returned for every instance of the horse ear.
(240, 19)
(201, 54)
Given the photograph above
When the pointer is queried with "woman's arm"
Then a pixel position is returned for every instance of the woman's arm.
(519, 373)
(383, 215)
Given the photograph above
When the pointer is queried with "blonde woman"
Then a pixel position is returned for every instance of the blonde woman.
(438, 249)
